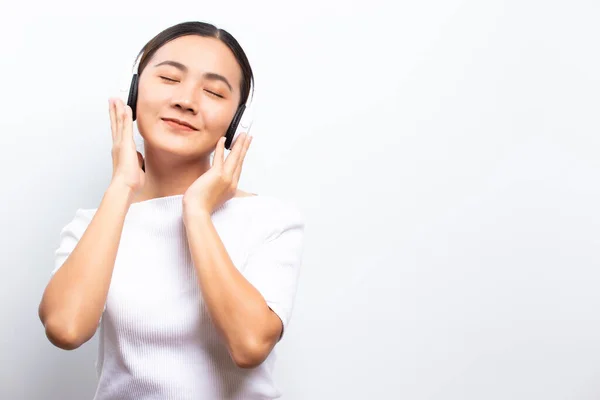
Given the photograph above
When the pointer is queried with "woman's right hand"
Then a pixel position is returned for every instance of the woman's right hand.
(127, 161)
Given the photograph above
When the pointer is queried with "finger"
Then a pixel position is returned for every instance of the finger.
(234, 156)
(219, 152)
(119, 111)
(238, 170)
(127, 124)
(113, 123)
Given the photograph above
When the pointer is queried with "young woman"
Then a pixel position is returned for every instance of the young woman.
(190, 280)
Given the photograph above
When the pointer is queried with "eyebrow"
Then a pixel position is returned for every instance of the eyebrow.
(208, 75)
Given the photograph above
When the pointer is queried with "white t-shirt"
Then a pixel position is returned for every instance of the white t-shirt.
(156, 339)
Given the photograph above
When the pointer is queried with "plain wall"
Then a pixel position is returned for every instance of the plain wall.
(445, 155)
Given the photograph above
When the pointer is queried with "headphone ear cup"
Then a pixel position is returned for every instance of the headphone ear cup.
(133, 94)
(230, 135)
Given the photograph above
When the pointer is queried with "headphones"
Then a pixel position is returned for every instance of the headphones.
(241, 122)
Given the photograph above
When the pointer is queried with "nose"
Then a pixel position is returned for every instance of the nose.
(185, 100)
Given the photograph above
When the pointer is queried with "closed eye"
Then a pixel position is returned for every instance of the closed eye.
(213, 93)
(207, 91)
(168, 79)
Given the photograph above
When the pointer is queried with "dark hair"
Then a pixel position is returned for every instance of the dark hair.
(206, 30)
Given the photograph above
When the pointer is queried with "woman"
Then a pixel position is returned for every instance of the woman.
(190, 280)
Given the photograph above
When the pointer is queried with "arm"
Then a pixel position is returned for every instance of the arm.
(240, 313)
(74, 299)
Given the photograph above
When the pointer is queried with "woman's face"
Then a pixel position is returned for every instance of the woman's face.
(195, 80)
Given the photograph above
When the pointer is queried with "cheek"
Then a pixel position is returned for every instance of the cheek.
(150, 98)
(150, 103)
(217, 119)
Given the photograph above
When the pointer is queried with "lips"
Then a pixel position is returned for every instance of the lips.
(179, 124)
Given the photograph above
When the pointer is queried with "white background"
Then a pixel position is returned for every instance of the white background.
(444, 153)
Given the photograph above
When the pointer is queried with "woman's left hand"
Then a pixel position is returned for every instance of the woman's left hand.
(219, 183)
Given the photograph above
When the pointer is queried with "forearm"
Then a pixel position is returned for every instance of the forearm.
(75, 296)
(237, 309)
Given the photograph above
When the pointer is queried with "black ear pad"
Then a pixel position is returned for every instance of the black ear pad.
(233, 126)
(133, 94)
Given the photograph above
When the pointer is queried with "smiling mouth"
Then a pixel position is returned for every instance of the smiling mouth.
(177, 125)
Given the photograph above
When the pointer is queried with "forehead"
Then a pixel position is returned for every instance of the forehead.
(201, 54)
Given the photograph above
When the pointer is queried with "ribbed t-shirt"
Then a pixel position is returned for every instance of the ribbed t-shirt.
(156, 339)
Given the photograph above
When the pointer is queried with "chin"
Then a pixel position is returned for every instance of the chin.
(189, 145)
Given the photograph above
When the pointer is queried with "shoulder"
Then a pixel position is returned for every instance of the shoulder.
(272, 208)
(279, 218)
(78, 223)
(84, 215)
(241, 193)
(267, 214)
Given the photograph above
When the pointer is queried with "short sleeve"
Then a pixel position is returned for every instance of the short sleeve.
(69, 237)
(273, 266)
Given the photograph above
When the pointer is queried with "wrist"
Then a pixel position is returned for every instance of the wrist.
(195, 212)
(121, 190)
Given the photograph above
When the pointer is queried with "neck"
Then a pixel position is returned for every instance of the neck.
(168, 177)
